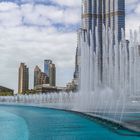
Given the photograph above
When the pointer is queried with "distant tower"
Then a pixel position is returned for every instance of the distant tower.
(23, 81)
(95, 14)
(46, 66)
(40, 77)
(52, 74)
(37, 73)
(50, 70)
(111, 13)
(77, 62)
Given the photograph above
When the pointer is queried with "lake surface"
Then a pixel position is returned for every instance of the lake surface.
(35, 123)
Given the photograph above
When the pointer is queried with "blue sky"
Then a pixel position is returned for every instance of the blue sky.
(34, 30)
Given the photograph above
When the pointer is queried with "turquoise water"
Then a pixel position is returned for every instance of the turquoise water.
(34, 123)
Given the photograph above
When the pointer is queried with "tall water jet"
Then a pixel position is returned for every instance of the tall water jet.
(119, 72)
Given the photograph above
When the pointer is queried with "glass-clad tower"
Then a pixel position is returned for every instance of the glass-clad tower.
(110, 13)
(95, 14)
(46, 66)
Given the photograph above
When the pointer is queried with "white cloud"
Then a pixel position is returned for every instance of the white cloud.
(69, 3)
(137, 10)
(39, 14)
(131, 1)
(6, 6)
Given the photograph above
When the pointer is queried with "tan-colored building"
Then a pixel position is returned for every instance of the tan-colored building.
(52, 75)
(40, 77)
(37, 72)
(23, 80)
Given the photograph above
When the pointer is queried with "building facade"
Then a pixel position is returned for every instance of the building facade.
(40, 77)
(77, 67)
(110, 13)
(46, 66)
(52, 75)
(76, 73)
(37, 72)
(99, 14)
(23, 80)
(50, 70)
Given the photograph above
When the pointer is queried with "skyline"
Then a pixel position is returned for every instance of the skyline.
(30, 18)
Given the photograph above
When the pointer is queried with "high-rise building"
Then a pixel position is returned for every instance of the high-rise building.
(52, 74)
(96, 13)
(23, 80)
(44, 79)
(99, 13)
(77, 63)
(46, 66)
(37, 73)
(77, 59)
(40, 77)
(50, 70)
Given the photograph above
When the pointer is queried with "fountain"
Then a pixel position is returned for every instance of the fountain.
(111, 96)
(108, 98)
(120, 66)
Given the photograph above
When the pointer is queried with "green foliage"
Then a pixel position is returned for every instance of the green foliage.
(6, 93)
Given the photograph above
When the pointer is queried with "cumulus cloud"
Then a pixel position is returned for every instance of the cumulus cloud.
(37, 14)
(69, 3)
(8, 6)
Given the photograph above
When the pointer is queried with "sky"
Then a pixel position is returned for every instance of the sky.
(34, 30)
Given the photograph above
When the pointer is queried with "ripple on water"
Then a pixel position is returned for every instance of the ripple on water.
(12, 127)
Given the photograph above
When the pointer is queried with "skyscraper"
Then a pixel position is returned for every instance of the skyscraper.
(99, 13)
(52, 74)
(110, 13)
(77, 62)
(50, 70)
(23, 80)
(46, 66)
(40, 77)
(37, 72)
